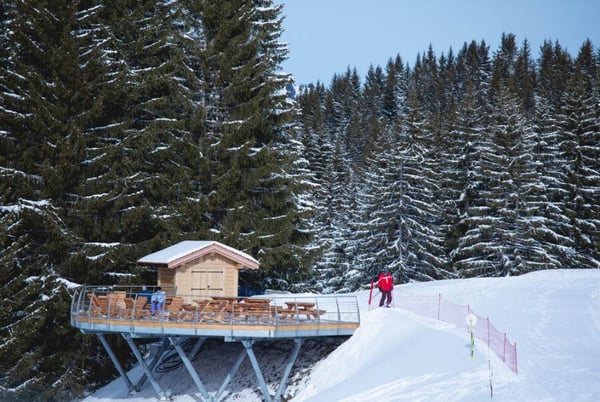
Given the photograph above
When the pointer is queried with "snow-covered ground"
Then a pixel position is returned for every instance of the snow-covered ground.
(395, 355)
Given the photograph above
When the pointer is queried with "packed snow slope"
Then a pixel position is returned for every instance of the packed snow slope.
(395, 355)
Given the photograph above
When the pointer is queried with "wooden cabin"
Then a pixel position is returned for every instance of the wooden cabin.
(196, 269)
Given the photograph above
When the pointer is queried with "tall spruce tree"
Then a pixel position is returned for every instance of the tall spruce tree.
(580, 128)
(334, 174)
(418, 237)
(49, 94)
(131, 166)
(462, 170)
(250, 191)
(376, 214)
(525, 79)
(105, 150)
(317, 154)
(552, 226)
(515, 189)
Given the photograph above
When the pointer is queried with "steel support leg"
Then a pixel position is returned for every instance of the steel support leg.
(190, 368)
(259, 376)
(153, 364)
(288, 368)
(231, 374)
(140, 359)
(115, 361)
(197, 345)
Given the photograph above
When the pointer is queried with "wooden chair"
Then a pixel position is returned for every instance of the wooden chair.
(116, 304)
(127, 312)
(98, 306)
(188, 312)
(134, 308)
(175, 308)
(139, 311)
(214, 311)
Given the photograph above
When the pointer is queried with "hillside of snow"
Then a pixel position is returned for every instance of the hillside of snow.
(398, 355)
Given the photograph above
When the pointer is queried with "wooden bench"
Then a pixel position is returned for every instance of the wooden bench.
(260, 311)
(285, 313)
(298, 309)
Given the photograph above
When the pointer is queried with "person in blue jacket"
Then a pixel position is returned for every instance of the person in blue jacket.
(146, 293)
(157, 301)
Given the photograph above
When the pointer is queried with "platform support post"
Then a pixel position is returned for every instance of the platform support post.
(288, 368)
(259, 376)
(231, 374)
(115, 361)
(153, 364)
(190, 367)
(144, 366)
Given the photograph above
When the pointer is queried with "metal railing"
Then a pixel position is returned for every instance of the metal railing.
(130, 306)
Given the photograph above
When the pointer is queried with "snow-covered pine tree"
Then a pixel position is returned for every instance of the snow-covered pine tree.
(580, 128)
(50, 77)
(550, 226)
(418, 236)
(251, 186)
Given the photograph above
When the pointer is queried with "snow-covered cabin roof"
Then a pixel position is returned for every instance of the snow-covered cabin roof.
(187, 250)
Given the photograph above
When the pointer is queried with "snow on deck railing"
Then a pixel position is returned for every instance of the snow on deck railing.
(438, 308)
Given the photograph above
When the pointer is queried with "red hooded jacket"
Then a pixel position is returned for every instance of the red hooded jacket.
(385, 281)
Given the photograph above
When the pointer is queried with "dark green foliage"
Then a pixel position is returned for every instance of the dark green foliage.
(126, 126)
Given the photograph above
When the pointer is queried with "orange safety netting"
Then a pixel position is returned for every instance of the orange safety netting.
(438, 308)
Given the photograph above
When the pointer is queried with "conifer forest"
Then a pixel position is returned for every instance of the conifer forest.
(127, 126)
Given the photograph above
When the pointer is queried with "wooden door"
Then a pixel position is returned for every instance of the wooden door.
(208, 282)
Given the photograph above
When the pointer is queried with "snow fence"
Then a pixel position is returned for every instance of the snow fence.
(436, 307)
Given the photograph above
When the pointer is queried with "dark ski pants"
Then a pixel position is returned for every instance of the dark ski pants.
(385, 294)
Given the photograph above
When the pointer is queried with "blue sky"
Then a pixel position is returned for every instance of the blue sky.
(326, 36)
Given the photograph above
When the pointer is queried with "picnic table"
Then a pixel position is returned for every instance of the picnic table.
(213, 310)
(259, 309)
(230, 299)
(298, 309)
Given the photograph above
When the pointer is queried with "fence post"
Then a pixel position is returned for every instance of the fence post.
(439, 304)
(468, 312)
(516, 360)
(504, 349)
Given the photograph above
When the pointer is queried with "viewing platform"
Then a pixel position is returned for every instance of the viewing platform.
(125, 310)
(98, 309)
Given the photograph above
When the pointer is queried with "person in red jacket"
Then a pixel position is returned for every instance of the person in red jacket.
(385, 283)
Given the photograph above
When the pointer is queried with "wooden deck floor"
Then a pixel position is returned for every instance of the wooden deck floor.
(331, 316)
(148, 328)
